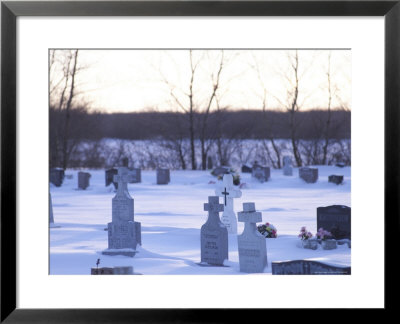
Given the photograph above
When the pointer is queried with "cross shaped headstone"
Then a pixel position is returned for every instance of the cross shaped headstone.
(213, 206)
(213, 235)
(229, 192)
(123, 177)
(251, 244)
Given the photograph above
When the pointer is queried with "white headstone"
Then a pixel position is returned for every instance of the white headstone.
(251, 244)
(123, 232)
(228, 192)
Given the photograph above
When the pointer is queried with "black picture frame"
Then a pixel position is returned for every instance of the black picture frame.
(11, 10)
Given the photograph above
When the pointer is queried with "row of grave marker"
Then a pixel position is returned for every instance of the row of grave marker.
(124, 234)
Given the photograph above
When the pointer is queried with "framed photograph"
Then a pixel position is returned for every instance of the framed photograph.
(164, 155)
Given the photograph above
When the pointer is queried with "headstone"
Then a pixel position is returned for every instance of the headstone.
(309, 175)
(83, 180)
(123, 232)
(213, 235)
(128, 270)
(260, 173)
(307, 267)
(125, 162)
(340, 165)
(252, 245)
(220, 171)
(136, 175)
(209, 163)
(246, 169)
(56, 176)
(163, 176)
(51, 217)
(229, 192)
(110, 173)
(287, 166)
(338, 179)
(335, 219)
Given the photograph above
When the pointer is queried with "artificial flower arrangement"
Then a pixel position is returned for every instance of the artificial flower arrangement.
(268, 230)
(304, 234)
(323, 235)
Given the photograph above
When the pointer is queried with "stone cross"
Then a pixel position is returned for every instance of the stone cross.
(122, 178)
(251, 244)
(213, 235)
(229, 192)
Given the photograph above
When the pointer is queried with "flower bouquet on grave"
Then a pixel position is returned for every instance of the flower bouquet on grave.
(306, 239)
(235, 175)
(325, 237)
(267, 230)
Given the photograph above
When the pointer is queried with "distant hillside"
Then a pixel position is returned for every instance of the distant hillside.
(246, 124)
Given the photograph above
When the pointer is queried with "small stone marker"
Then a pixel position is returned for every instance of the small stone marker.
(123, 232)
(338, 179)
(252, 245)
(261, 173)
(229, 192)
(220, 171)
(335, 219)
(83, 180)
(112, 271)
(246, 169)
(163, 176)
(307, 267)
(56, 176)
(51, 217)
(213, 235)
(309, 175)
(287, 166)
(136, 175)
(209, 163)
(110, 173)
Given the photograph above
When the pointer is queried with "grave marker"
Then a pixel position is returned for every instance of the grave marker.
(56, 176)
(307, 267)
(163, 176)
(229, 192)
(252, 245)
(287, 166)
(123, 232)
(335, 219)
(220, 171)
(261, 173)
(309, 175)
(83, 180)
(213, 235)
(337, 179)
(110, 173)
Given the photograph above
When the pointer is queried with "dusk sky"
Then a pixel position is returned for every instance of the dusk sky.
(137, 80)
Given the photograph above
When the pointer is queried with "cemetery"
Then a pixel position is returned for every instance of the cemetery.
(197, 224)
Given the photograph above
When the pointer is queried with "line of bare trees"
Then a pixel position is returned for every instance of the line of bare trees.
(198, 126)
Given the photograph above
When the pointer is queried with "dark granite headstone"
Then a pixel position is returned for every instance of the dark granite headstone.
(56, 176)
(309, 175)
(246, 169)
(83, 180)
(338, 179)
(220, 171)
(209, 163)
(307, 267)
(335, 219)
(163, 176)
(136, 175)
(260, 173)
(110, 173)
(213, 235)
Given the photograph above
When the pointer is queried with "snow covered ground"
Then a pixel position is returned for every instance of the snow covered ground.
(172, 215)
